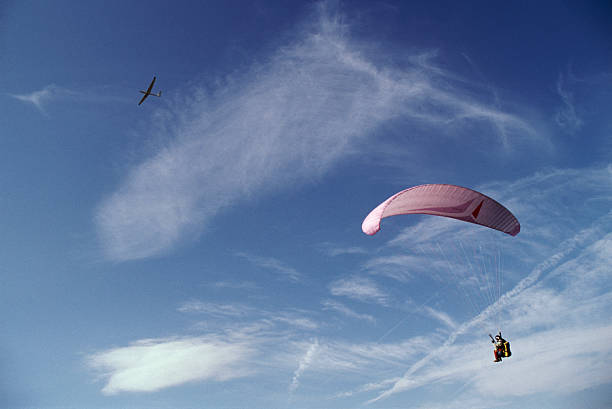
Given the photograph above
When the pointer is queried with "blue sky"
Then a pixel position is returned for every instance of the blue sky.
(204, 250)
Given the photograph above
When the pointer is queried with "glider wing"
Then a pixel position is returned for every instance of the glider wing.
(448, 201)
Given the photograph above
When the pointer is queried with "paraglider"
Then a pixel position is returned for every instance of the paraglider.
(444, 200)
(455, 202)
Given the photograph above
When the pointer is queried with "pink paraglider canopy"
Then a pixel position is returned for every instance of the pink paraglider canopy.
(444, 200)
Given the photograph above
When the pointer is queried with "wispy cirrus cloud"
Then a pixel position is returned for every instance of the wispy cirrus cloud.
(566, 117)
(239, 313)
(335, 250)
(295, 320)
(552, 317)
(288, 120)
(344, 356)
(303, 365)
(440, 316)
(228, 310)
(401, 267)
(46, 95)
(577, 364)
(239, 285)
(343, 309)
(359, 288)
(274, 265)
(259, 347)
(261, 342)
(52, 94)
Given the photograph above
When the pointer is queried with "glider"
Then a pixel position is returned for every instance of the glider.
(451, 201)
(148, 92)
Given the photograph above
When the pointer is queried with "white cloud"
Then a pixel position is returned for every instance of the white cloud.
(566, 116)
(338, 356)
(261, 318)
(285, 121)
(578, 363)
(150, 365)
(231, 310)
(359, 288)
(400, 267)
(53, 93)
(562, 360)
(333, 250)
(44, 96)
(240, 285)
(343, 309)
(261, 344)
(440, 316)
(294, 320)
(274, 265)
(374, 386)
(303, 365)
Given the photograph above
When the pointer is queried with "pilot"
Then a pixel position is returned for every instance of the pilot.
(499, 347)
